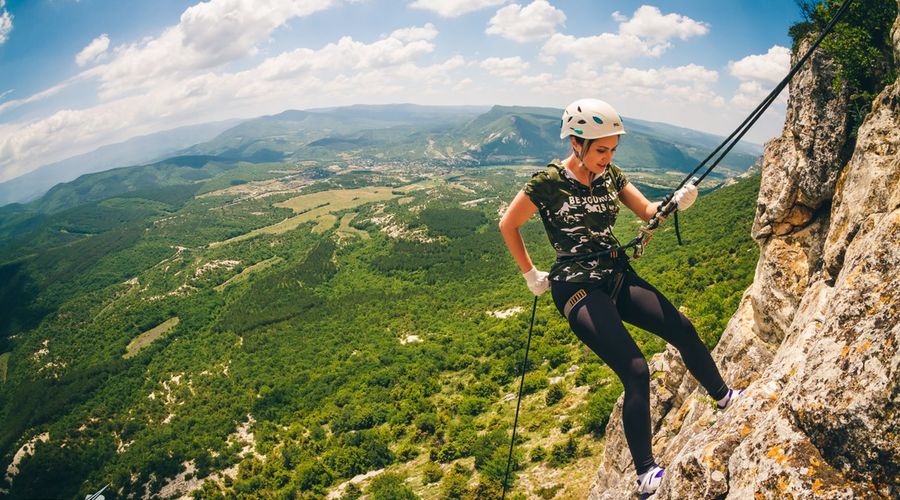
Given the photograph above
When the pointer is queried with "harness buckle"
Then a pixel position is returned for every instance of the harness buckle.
(573, 301)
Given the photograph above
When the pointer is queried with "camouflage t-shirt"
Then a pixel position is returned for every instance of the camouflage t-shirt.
(578, 219)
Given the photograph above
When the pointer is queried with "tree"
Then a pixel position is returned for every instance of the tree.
(454, 486)
(554, 394)
(389, 486)
(538, 453)
(426, 422)
(599, 408)
(310, 475)
(562, 454)
(431, 473)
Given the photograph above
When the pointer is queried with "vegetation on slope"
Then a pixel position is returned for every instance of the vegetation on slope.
(339, 358)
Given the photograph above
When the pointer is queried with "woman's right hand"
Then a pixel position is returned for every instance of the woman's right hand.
(537, 281)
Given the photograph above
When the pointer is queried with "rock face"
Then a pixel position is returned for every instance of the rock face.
(815, 338)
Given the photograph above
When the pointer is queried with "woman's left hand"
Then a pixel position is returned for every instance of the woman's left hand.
(685, 197)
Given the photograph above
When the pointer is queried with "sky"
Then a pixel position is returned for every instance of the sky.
(79, 74)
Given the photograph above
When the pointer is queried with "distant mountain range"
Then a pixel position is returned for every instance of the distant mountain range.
(134, 151)
(363, 135)
(455, 135)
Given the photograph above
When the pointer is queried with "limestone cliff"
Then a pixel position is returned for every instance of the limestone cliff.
(815, 338)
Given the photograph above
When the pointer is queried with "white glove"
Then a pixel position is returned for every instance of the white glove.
(537, 281)
(685, 196)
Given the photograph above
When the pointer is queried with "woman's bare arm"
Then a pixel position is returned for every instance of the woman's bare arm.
(520, 210)
(637, 202)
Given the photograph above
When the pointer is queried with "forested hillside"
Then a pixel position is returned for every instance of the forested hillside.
(248, 336)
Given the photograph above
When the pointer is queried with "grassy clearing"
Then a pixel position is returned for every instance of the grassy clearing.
(4, 363)
(246, 172)
(518, 170)
(336, 199)
(426, 184)
(462, 187)
(259, 266)
(144, 339)
(324, 222)
(346, 230)
(317, 207)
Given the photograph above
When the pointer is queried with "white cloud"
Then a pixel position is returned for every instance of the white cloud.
(758, 75)
(676, 87)
(536, 21)
(6, 24)
(225, 29)
(749, 95)
(645, 34)
(181, 76)
(661, 77)
(36, 97)
(402, 46)
(427, 32)
(770, 67)
(209, 35)
(605, 47)
(454, 8)
(541, 80)
(93, 51)
(508, 67)
(343, 72)
(649, 22)
(463, 85)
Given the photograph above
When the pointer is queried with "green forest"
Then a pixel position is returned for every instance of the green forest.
(340, 356)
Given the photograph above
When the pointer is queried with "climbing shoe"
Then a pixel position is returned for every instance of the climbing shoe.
(649, 481)
(729, 398)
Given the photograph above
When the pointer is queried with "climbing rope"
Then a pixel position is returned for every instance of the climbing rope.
(519, 401)
(731, 141)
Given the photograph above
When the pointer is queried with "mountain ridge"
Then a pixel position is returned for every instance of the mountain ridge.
(134, 151)
(451, 136)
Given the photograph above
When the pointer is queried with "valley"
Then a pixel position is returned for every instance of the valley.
(236, 329)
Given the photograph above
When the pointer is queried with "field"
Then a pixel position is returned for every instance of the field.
(144, 339)
(4, 362)
(259, 266)
(317, 207)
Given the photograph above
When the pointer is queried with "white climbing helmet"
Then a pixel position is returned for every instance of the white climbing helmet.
(590, 119)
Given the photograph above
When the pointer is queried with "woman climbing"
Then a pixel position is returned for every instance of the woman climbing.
(578, 202)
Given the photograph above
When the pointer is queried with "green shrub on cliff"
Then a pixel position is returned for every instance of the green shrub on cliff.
(860, 45)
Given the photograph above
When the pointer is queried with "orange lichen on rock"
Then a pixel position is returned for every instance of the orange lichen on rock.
(778, 454)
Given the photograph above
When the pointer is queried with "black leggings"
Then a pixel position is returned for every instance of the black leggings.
(597, 321)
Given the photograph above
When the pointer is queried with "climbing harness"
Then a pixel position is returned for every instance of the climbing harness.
(614, 259)
(667, 206)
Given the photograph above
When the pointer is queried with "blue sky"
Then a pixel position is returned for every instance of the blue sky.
(79, 74)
